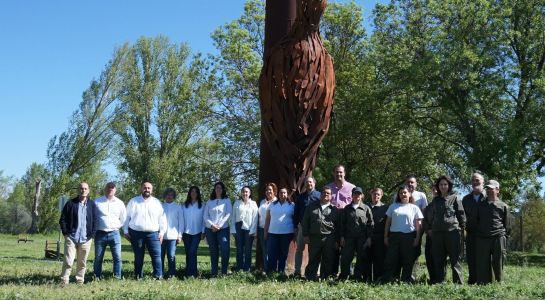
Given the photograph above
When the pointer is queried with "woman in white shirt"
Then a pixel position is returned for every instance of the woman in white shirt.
(193, 211)
(279, 231)
(173, 234)
(402, 235)
(270, 197)
(244, 227)
(216, 220)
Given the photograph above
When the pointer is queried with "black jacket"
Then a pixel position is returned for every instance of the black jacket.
(470, 207)
(69, 218)
(357, 222)
(445, 214)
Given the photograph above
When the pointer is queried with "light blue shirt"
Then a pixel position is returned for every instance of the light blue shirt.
(80, 236)
(281, 217)
(404, 217)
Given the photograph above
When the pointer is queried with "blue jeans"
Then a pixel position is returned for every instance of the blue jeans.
(191, 245)
(102, 240)
(244, 243)
(150, 240)
(218, 242)
(263, 244)
(278, 246)
(168, 247)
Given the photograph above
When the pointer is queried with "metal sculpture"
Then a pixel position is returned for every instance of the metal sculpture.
(296, 90)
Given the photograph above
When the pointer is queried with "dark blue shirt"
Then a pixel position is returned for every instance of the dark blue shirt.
(301, 204)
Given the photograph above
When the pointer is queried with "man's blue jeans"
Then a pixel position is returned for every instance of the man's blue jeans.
(168, 247)
(244, 243)
(150, 240)
(102, 240)
(218, 242)
(191, 245)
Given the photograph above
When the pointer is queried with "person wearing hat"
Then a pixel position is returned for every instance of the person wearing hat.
(321, 232)
(493, 227)
(355, 234)
(110, 216)
(471, 204)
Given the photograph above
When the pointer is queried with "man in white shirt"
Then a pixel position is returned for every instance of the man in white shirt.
(145, 226)
(110, 216)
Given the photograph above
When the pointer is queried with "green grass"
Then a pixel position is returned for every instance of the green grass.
(25, 274)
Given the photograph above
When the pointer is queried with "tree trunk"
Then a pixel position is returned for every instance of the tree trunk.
(34, 226)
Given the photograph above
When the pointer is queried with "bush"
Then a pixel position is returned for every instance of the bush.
(14, 218)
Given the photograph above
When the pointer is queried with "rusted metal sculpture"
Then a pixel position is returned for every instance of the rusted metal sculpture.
(296, 91)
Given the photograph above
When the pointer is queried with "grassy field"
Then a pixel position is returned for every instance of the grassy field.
(25, 274)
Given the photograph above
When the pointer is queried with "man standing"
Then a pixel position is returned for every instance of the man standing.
(110, 216)
(355, 231)
(321, 233)
(144, 227)
(373, 267)
(471, 203)
(310, 196)
(78, 228)
(341, 190)
(493, 227)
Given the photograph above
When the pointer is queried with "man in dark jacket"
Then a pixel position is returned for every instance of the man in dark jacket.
(493, 227)
(78, 227)
(471, 203)
(310, 196)
(355, 231)
(321, 233)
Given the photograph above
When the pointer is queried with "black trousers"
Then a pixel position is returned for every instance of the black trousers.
(471, 257)
(353, 246)
(373, 264)
(401, 255)
(321, 253)
(447, 243)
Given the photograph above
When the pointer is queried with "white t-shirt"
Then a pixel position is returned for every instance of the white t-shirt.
(403, 217)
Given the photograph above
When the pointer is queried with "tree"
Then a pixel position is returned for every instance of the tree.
(162, 108)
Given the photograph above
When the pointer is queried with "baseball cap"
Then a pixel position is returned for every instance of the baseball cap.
(492, 184)
(357, 190)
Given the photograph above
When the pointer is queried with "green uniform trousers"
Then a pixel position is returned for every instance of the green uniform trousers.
(447, 243)
(490, 253)
(400, 255)
(352, 245)
(321, 253)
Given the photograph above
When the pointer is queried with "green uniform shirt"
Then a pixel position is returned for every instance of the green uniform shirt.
(318, 221)
(493, 219)
(356, 222)
(445, 214)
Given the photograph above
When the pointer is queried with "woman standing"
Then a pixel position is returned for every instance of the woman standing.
(173, 234)
(402, 233)
(193, 211)
(244, 227)
(270, 197)
(216, 220)
(279, 231)
(444, 223)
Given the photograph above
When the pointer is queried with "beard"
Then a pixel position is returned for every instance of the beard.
(146, 194)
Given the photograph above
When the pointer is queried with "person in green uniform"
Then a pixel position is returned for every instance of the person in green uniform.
(493, 227)
(356, 231)
(321, 233)
(444, 222)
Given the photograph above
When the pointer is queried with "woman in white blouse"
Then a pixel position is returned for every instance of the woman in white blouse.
(216, 220)
(173, 234)
(279, 231)
(244, 227)
(270, 197)
(193, 210)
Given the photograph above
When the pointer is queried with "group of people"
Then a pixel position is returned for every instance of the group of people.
(335, 223)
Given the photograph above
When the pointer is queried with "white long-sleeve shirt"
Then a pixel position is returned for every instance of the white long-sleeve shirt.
(110, 214)
(145, 215)
(262, 211)
(175, 221)
(193, 218)
(217, 212)
(245, 213)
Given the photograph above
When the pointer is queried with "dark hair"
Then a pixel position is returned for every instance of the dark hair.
(188, 199)
(223, 191)
(250, 189)
(326, 187)
(169, 190)
(274, 187)
(287, 190)
(409, 176)
(398, 199)
(377, 189)
(448, 180)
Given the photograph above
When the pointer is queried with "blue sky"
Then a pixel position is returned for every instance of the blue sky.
(51, 50)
